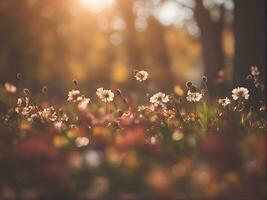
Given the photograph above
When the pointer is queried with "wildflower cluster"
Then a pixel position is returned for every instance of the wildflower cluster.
(36, 113)
(173, 144)
(75, 96)
(255, 77)
(192, 94)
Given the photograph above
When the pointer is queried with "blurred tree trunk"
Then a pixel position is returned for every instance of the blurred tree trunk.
(211, 35)
(155, 43)
(250, 38)
(126, 11)
(157, 49)
(10, 41)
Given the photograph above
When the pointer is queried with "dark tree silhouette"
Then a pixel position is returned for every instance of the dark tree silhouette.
(156, 48)
(211, 38)
(250, 37)
(126, 11)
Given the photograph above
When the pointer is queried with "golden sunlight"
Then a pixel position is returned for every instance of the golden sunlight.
(96, 5)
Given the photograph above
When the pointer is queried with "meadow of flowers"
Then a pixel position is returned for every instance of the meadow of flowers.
(184, 145)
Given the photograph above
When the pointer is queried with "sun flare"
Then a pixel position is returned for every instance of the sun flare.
(96, 5)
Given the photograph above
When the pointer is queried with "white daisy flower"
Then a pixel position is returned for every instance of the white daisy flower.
(58, 125)
(158, 106)
(74, 96)
(141, 75)
(99, 92)
(159, 98)
(26, 111)
(83, 103)
(127, 114)
(224, 102)
(48, 114)
(193, 96)
(254, 71)
(22, 105)
(33, 117)
(240, 92)
(23, 102)
(105, 95)
(64, 118)
(169, 113)
(141, 108)
(19, 102)
(10, 88)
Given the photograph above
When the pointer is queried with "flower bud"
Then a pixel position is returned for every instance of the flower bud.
(125, 101)
(189, 84)
(249, 77)
(44, 90)
(18, 75)
(118, 92)
(193, 88)
(27, 92)
(135, 71)
(75, 82)
(204, 79)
